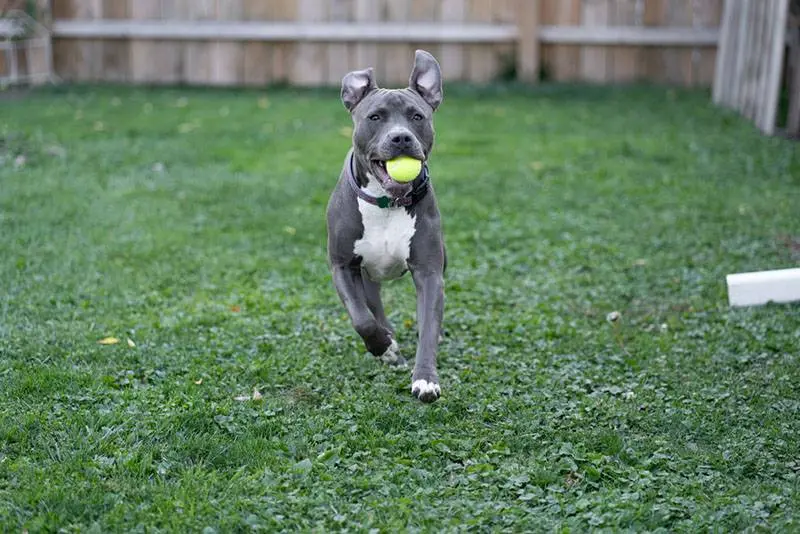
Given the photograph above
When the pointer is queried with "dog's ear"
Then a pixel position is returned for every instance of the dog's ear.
(356, 85)
(426, 78)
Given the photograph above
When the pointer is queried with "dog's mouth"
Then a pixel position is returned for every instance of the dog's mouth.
(392, 186)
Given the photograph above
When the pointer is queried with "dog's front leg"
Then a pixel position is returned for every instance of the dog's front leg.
(378, 340)
(430, 308)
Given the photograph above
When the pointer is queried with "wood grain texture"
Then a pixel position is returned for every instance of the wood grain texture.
(396, 59)
(366, 54)
(481, 58)
(528, 52)
(562, 61)
(594, 59)
(197, 69)
(623, 60)
(451, 56)
(779, 14)
(227, 58)
(257, 61)
(309, 67)
(793, 81)
(340, 55)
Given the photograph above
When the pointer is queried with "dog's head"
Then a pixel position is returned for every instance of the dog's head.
(393, 122)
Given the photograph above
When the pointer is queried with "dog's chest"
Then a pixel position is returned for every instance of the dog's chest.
(386, 243)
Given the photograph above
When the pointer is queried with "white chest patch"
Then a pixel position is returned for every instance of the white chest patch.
(386, 243)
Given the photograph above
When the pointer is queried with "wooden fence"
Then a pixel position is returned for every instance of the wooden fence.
(315, 42)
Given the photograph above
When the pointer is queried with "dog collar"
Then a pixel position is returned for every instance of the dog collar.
(415, 195)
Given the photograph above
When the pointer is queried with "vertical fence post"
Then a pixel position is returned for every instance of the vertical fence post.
(793, 120)
(780, 12)
(528, 40)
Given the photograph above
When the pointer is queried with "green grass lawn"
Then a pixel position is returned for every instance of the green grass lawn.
(192, 224)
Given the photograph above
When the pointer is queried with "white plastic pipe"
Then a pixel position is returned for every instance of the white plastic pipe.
(758, 288)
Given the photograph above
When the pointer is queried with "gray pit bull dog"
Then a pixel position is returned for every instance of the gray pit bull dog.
(378, 228)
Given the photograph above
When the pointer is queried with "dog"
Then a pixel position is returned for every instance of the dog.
(378, 228)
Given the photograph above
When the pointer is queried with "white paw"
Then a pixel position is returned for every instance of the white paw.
(392, 356)
(425, 391)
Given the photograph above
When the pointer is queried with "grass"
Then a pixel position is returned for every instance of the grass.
(192, 224)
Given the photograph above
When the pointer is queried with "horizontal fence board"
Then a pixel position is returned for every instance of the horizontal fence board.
(628, 35)
(279, 31)
(379, 32)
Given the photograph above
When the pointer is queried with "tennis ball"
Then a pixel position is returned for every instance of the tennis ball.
(403, 169)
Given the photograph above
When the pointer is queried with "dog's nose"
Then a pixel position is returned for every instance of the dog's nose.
(401, 140)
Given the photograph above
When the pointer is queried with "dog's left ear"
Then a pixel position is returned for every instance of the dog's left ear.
(426, 78)
(356, 85)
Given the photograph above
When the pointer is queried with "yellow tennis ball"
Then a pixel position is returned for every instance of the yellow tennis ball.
(403, 169)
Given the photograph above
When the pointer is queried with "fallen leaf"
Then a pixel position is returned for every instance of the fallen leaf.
(256, 394)
(131, 344)
(290, 230)
(56, 151)
(641, 262)
(537, 165)
(109, 341)
(346, 131)
(99, 126)
(198, 381)
(408, 323)
(235, 309)
(263, 102)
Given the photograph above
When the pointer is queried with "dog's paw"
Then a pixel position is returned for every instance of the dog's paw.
(426, 391)
(392, 357)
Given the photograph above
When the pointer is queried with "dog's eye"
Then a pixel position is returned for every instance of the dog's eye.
(374, 117)
(417, 117)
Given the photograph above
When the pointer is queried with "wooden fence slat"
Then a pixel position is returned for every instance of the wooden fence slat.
(424, 12)
(739, 61)
(309, 67)
(396, 58)
(481, 63)
(594, 59)
(793, 119)
(197, 54)
(707, 15)
(116, 54)
(623, 64)
(678, 62)
(366, 53)
(779, 15)
(142, 66)
(91, 51)
(760, 28)
(451, 56)
(720, 86)
(227, 58)
(339, 54)
(565, 59)
(283, 53)
(528, 53)
(257, 61)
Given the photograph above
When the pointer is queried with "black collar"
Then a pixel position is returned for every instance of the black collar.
(416, 194)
